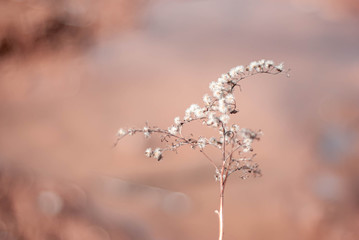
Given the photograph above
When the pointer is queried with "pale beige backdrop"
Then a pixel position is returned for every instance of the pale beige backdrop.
(73, 72)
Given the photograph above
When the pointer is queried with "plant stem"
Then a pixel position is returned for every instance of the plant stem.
(222, 182)
(220, 212)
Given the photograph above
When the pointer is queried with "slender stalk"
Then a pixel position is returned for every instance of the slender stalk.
(209, 159)
(222, 182)
(220, 212)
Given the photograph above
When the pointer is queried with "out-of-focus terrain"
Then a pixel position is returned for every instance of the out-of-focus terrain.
(73, 72)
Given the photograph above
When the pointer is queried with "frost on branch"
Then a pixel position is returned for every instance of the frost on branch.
(234, 142)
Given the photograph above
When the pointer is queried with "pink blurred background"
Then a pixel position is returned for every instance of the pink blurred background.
(73, 72)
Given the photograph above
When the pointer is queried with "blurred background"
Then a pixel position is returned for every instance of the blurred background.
(73, 72)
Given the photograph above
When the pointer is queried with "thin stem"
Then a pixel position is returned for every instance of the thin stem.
(209, 159)
(222, 185)
(118, 139)
(220, 213)
(231, 153)
(222, 182)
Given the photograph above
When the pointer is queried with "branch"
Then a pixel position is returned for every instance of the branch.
(210, 160)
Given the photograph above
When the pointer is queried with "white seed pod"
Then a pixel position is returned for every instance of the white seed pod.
(157, 153)
(148, 152)
(121, 132)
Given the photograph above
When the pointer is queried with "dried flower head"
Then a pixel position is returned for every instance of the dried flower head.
(149, 152)
(157, 153)
(121, 132)
(216, 113)
(234, 143)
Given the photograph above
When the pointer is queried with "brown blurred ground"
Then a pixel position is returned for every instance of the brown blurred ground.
(73, 72)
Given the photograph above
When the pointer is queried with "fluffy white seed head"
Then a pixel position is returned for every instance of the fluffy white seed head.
(268, 63)
(173, 130)
(253, 65)
(222, 106)
(212, 120)
(235, 128)
(201, 143)
(146, 132)
(230, 99)
(148, 152)
(236, 71)
(221, 80)
(177, 121)
(224, 118)
(280, 67)
(121, 132)
(207, 99)
(261, 62)
(199, 113)
(157, 153)
(131, 131)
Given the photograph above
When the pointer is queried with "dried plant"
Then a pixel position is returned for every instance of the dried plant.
(233, 142)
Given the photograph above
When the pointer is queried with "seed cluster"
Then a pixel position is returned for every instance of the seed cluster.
(233, 141)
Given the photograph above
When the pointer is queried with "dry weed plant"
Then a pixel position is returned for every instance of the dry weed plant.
(233, 142)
